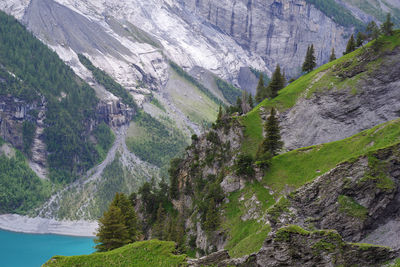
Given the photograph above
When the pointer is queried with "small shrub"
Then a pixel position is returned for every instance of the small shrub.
(244, 165)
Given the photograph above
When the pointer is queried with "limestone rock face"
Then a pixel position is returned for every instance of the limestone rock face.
(114, 113)
(279, 31)
(333, 115)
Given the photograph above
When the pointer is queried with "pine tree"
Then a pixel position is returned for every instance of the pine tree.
(251, 103)
(310, 60)
(239, 105)
(306, 64)
(333, 56)
(219, 117)
(284, 81)
(112, 232)
(128, 211)
(373, 31)
(272, 142)
(260, 93)
(277, 82)
(387, 26)
(351, 45)
(159, 226)
(313, 62)
(360, 39)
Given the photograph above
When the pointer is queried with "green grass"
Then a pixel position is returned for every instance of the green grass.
(144, 253)
(246, 237)
(350, 207)
(190, 99)
(153, 140)
(300, 166)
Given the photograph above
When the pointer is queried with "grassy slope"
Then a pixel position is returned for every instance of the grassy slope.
(191, 100)
(290, 171)
(322, 79)
(144, 253)
(293, 169)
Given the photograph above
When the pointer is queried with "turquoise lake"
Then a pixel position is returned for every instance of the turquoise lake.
(31, 250)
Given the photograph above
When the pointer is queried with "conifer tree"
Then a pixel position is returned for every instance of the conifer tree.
(239, 105)
(373, 31)
(284, 81)
(128, 211)
(260, 93)
(251, 103)
(360, 39)
(219, 117)
(277, 82)
(387, 26)
(306, 64)
(351, 45)
(313, 62)
(333, 56)
(159, 226)
(272, 142)
(112, 232)
(310, 60)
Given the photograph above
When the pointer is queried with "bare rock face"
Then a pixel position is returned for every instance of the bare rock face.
(333, 115)
(13, 112)
(294, 246)
(114, 113)
(279, 31)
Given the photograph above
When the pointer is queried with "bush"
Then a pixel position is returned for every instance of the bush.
(244, 165)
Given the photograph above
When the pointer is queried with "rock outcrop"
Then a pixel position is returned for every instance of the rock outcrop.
(355, 198)
(278, 31)
(294, 246)
(331, 115)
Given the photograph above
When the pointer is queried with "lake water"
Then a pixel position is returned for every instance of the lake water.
(31, 250)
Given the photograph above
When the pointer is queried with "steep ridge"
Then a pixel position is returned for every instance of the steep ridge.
(350, 185)
(346, 96)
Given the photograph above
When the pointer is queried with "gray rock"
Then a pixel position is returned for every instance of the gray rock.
(337, 114)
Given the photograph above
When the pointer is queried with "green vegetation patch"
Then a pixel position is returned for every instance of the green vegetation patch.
(192, 80)
(300, 166)
(350, 207)
(28, 134)
(284, 233)
(71, 103)
(104, 139)
(154, 141)
(377, 174)
(337, 13)
(246, 237)
(373, 7)
(230, 92)
(20, 189)
(144, 253)
(191, 97)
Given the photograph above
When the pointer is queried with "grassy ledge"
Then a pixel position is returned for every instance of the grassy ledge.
(144, 253)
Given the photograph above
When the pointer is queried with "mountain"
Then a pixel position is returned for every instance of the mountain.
(330, 199)
(176, 60)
